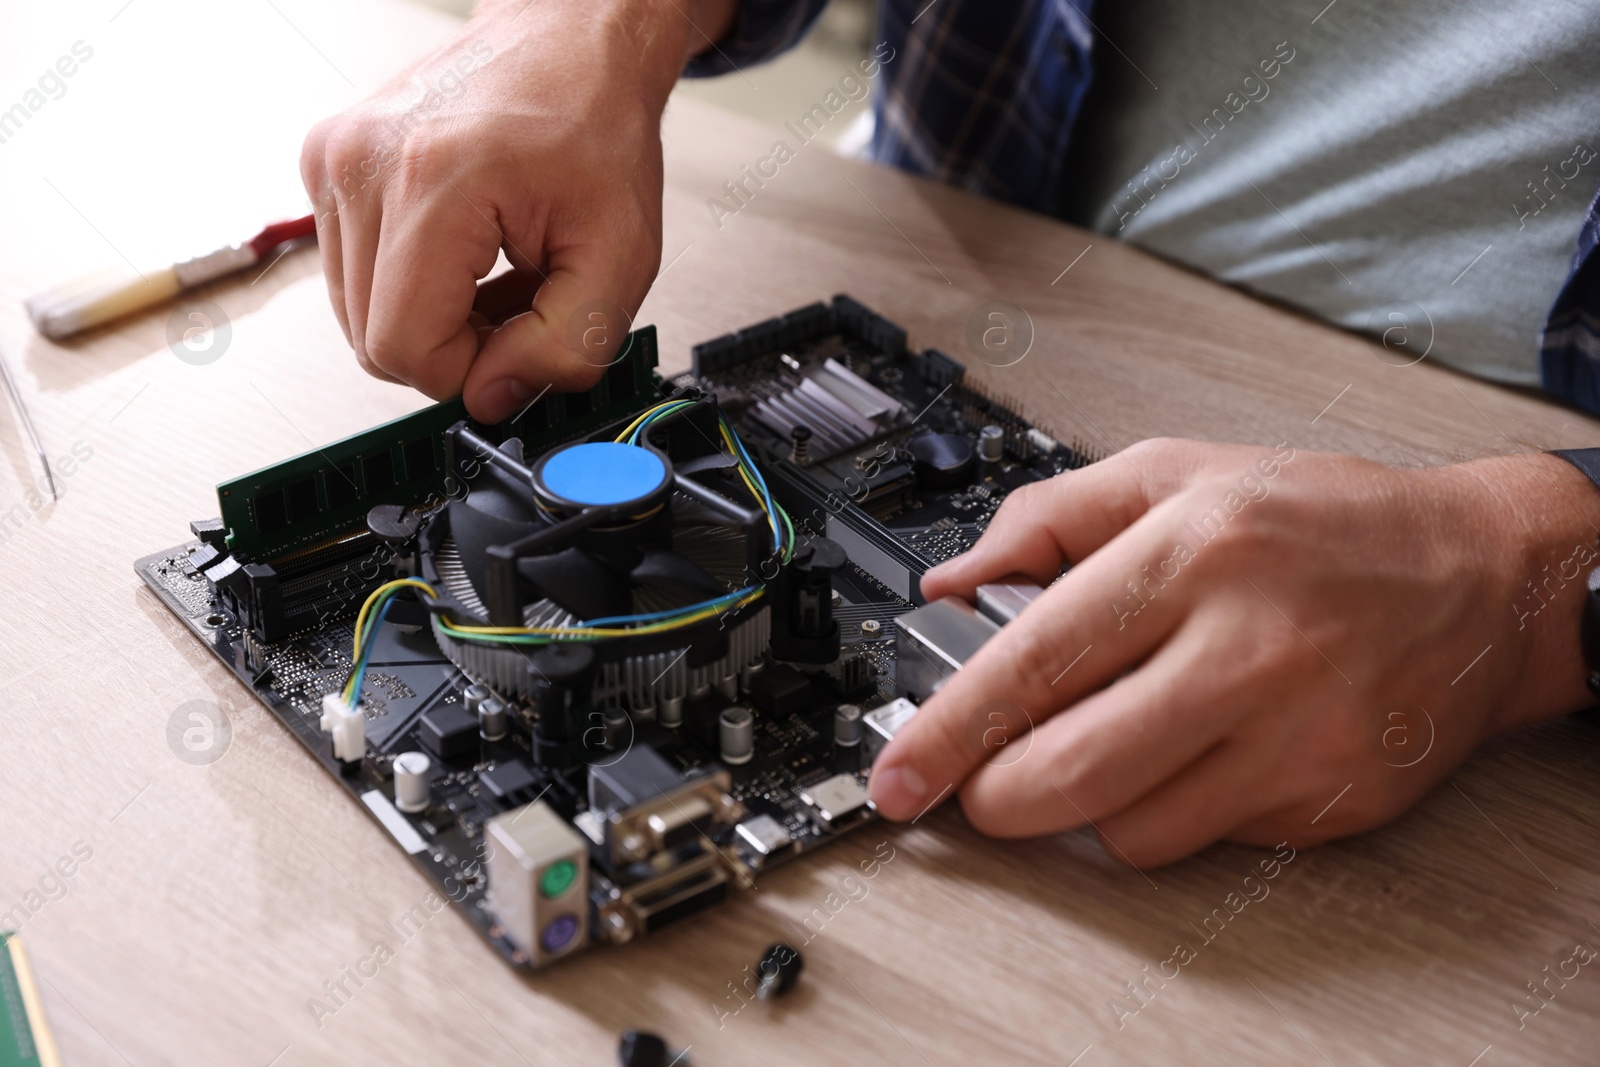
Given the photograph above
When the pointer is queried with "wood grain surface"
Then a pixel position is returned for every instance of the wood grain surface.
(216, 901)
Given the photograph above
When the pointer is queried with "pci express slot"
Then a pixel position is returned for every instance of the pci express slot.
(868, 544)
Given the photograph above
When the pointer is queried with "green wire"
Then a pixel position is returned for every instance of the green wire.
(788, 549)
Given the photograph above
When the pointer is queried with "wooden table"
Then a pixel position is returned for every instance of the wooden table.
(217, 900)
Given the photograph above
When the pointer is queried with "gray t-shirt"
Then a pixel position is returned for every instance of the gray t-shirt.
(1425, 162)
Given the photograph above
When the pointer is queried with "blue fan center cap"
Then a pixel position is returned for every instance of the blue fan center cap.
(602, 473)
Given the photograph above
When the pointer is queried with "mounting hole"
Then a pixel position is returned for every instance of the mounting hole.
(215, 620)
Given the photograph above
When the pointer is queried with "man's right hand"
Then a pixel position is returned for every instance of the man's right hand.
(536, 131)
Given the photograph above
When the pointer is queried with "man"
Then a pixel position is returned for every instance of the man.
(1181, 688)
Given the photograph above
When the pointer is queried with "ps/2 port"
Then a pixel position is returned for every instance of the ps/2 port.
(559, 933)
(557, 879)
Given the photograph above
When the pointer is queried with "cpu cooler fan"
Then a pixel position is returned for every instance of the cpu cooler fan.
(597, 539)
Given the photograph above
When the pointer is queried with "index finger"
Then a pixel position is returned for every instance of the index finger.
(575, 328)
(423, 286)
(1101, 618)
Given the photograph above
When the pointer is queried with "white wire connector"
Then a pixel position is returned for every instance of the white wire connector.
(347, 726)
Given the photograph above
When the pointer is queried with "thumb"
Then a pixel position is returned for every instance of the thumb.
(575, 330)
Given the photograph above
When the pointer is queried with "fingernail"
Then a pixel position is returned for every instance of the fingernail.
(899, 792)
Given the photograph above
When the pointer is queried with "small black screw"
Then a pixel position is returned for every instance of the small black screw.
(641, 1048)
(801, 436)
(779, 969)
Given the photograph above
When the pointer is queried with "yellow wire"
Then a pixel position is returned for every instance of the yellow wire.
(373, 598)
(361, 619)
(601, 631)
(750, 485)
(727, 439)
(739, 466)
(623, 436)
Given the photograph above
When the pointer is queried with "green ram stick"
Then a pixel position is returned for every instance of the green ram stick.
(328, 491)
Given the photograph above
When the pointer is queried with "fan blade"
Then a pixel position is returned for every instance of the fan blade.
(579, 583)
(662, 566)
(496, 512)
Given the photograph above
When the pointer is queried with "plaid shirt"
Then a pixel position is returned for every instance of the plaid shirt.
(1569, 349)
(984, 94)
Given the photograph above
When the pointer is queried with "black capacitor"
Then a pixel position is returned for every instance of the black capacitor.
(941, 460)
(779, 970)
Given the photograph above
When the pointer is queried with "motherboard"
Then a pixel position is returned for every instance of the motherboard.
(595, 668)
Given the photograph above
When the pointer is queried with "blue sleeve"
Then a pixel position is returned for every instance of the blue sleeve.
(1569, 347)
(763, 29)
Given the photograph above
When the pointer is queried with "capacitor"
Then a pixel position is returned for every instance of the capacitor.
(736, 730)
(991, 444)
(670, 714)
(617, 728)
(747, 674)
(941, 460)
(847, 725)
(492, 719)
(474, 695)
(412, 781)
